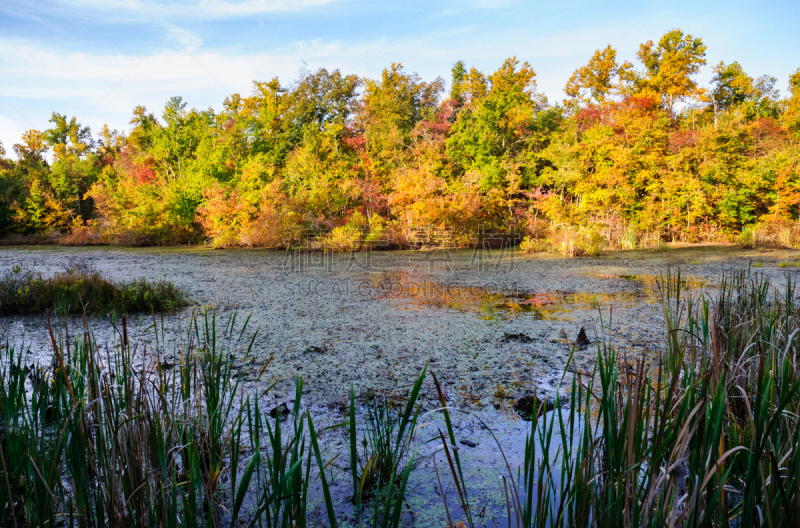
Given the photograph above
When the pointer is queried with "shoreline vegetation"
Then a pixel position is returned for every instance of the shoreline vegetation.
(703, 434)
(638, 154)
(80, 289)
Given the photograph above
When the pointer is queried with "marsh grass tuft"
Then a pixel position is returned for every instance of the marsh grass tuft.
(122, 436)
(83, 290)
(382, 469)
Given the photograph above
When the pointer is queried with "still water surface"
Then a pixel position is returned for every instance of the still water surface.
(490, 324)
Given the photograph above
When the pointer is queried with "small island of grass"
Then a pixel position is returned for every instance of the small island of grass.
(84, 290)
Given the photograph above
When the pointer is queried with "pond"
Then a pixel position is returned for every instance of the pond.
(491, 325)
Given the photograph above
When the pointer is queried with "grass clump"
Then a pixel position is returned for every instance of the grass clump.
(80, 289)
(534, 245)
(385, 463)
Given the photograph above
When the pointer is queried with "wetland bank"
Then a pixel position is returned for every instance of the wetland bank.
(341, 321)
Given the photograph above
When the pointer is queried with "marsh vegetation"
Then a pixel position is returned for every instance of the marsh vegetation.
(703, 434)
(83, 290)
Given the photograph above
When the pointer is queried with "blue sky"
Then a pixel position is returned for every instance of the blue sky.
(97, 59)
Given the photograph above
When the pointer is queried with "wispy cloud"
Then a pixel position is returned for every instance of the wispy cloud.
(187, 40)
(103, 88)
(99, 88)
(171, 10)
(32, 70)
(227, 8)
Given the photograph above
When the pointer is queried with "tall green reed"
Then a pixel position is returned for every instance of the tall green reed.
(120, 435)
(386, 460)
(705, 434)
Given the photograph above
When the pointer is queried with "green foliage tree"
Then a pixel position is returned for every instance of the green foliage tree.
(630, 155)
(491, 137)
(389, 111)
(11, 191)
(734, 90)
(600, 79)
(670, 67)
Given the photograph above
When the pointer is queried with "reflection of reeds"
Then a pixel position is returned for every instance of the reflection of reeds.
(707, 435)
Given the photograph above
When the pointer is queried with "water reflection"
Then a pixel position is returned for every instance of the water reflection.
(494, 300)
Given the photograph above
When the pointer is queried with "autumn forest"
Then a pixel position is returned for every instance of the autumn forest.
(639, 153)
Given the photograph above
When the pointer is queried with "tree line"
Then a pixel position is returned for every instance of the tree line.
(637, 153)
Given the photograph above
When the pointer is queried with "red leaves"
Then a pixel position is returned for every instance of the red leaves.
(610, 113)
(354, 140)
(766, 134)
(640, 103)
(144, 174)
(591, 115)
(681, 139)
(139, 170)
(441, 124)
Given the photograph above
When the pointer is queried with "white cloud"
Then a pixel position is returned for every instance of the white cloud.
(102, 88)
(188, 40)
(178, 10)
(226, 8)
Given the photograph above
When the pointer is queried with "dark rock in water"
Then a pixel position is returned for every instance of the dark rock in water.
(280, 411)
(49, 414)
(519, 338)
(469, 443)
(315, 350)
(582, 340)
(524, 405)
